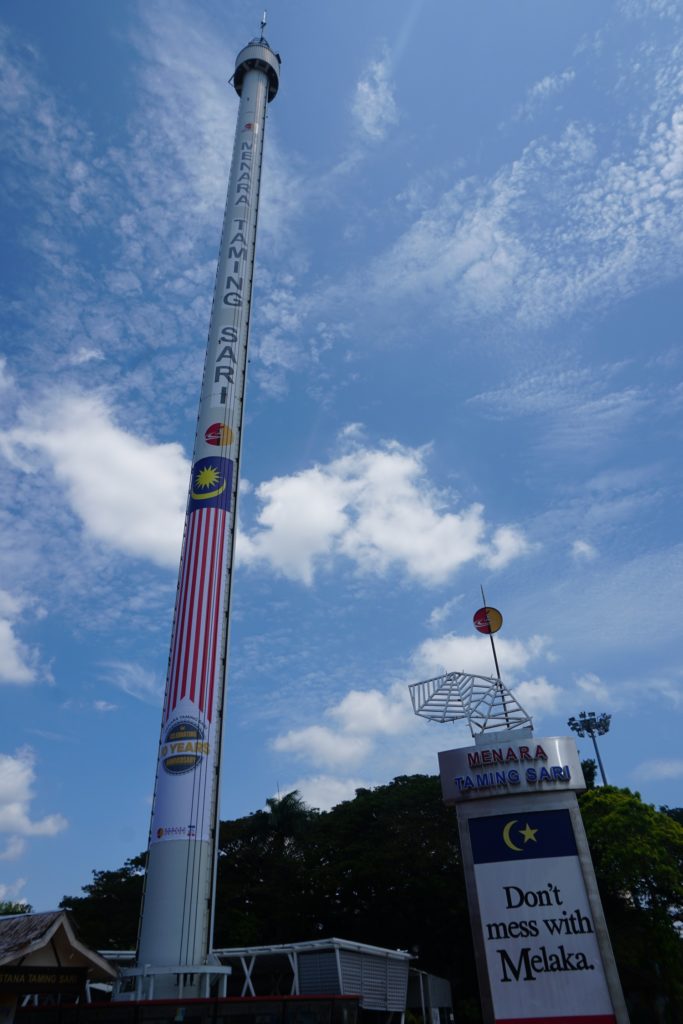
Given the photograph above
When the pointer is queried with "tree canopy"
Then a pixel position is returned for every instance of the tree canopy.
(638, 858)
(107, 916)
(10, 907)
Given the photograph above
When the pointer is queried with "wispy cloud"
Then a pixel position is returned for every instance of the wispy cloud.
(157, 205)
(542, 90)
(592, 686)
(559, 228)
(438, 615)
(582, 551)
(103, 706)
(671, 768)
(374, 106)
(643, 8)
(582, 409)
(134, 680)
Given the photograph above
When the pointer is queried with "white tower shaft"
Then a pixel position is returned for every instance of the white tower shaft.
(177, 912)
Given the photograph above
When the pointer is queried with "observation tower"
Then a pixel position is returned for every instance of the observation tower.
(174, 956)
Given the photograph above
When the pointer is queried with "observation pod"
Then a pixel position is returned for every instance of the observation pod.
(174, 955)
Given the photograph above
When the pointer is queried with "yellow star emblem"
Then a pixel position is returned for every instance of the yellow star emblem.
(528, 833)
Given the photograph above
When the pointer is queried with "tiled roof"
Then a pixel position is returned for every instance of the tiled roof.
(25, 935)
(20, 930)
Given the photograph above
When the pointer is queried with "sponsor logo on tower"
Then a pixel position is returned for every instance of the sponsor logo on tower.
(183, 746)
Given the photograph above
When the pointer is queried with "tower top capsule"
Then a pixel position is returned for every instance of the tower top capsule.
(258, 56)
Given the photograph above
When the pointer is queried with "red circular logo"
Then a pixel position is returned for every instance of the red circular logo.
(218, 434)
(487, 620)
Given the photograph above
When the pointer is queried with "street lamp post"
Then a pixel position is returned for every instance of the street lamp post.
(588, 723)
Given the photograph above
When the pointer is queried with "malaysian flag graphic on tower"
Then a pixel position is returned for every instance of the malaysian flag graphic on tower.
(196, 633)
(188, 748)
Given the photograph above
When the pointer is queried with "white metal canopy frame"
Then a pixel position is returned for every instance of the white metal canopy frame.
(484, 702)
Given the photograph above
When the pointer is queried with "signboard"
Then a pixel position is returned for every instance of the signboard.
(540, 940)
(542, 948)
(35, 980)
(547, 764)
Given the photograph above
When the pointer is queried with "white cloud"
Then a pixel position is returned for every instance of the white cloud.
(582, 551)
(18, 662)
(301, 518)
(11, 891)
(374, 106)
(326, 791)
(14, 847)
(452, 653)
(187, 110)
(127, 492)
(17, 778)
(538, 696)
(352, 432)
(560, 228)
(593, 686)
(643, 8)
(6, 380)
(542, 90)
(438, 614)
(323, 747)
(666, 688)
(551, 84)
(507, 543)
(104, 705)
(580, 408)
(134, 680)
(83, 355)
(660, 769)
(372, 712)
(377, 508)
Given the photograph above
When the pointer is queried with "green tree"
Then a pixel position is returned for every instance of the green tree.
(590, 771)
(674, 812)
(107, 916)
(638, 856)
(264, 890)
(9, 907)
(388, 870)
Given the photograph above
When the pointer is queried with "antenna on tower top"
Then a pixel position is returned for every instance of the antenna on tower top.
(264, 18)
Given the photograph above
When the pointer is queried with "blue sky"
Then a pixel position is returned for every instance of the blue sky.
(466, 369)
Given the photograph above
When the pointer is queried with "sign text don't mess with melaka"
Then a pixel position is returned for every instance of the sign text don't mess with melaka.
(539, 931)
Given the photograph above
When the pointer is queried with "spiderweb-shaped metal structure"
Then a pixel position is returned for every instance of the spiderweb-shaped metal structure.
(483, 701)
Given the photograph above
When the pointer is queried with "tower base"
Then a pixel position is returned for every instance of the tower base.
(183, 981)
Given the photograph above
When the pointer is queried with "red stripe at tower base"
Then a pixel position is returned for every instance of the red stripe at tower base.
(582, 1018)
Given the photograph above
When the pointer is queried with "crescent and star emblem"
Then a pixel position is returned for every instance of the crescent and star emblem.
(204, 484)
(527, 833)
